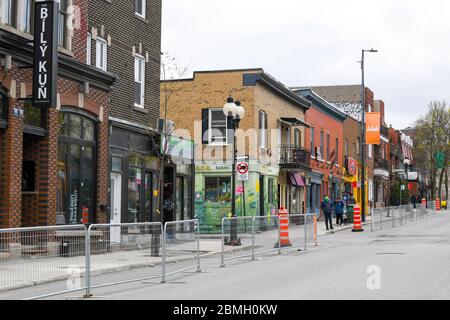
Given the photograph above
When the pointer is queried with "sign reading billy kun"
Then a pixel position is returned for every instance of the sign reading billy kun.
(45, 65)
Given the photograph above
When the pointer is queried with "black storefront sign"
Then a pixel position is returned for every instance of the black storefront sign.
(45, 66)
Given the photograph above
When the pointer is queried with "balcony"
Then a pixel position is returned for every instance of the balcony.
(381, 164)
(295, 157)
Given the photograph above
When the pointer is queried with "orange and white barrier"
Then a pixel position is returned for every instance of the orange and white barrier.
(438, 204)
(283, 216)
(357, 227)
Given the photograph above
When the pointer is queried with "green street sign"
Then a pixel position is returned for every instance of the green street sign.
(440, 160)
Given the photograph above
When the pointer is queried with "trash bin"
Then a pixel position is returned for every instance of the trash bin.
(350, 213)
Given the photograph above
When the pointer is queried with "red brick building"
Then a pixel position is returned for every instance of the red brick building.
(325, 140)
(53, 162)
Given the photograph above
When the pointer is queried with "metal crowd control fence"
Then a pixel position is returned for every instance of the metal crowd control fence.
(236, 231)
(266, 237)
(41, 261)
(131, 248)
(301, 230)
(181, 247)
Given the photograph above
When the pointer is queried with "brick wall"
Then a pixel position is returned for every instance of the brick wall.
(129, 34)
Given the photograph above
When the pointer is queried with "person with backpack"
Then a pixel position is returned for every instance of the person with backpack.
(339, 211)
(327, 212)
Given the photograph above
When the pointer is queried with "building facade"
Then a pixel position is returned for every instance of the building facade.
(270, 137)
(326, 140)
(54, 162)
(124, 37)
(381, 161)
(347, 98)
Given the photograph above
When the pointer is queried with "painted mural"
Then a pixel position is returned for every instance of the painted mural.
(210, 213)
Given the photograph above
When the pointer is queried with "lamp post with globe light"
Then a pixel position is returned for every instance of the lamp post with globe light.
(234, 113)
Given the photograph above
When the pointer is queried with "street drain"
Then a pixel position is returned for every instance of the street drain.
(391, 253)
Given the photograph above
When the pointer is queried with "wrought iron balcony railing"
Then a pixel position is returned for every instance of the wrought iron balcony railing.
(294, 157)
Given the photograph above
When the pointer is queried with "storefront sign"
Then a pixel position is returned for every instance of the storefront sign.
(352, 166)
(45, 65)
(373, 124)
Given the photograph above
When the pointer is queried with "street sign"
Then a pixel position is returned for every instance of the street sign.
(403, 187)
(242, 171)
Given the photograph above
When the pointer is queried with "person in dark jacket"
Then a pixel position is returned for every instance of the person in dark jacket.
(339, 211)
(414, 201)
(327, 211)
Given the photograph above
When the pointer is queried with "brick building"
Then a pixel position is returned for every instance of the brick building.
(125, 38)
(347, 98)
(53, 162)
(272, 135)
(325, 138)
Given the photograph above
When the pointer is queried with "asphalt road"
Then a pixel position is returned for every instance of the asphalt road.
(409, 262)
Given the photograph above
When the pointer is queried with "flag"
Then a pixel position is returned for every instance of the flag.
(373, 124)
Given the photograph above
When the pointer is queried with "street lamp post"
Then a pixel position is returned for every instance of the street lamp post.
(406, 162)
(234, 113)
(363, 130)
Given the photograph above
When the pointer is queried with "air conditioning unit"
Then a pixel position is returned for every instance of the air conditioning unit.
(169, 128)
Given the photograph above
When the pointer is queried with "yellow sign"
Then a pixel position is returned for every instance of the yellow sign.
(155, 193)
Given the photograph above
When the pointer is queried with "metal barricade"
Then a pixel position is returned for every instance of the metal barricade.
(266, 236)
(41, 261)
(133, 251)
(297, 231)
(376, 219)
(181, 247)
(237, 232)
(310, 230)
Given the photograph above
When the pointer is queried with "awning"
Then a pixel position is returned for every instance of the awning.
(296, 122)
(296, 179)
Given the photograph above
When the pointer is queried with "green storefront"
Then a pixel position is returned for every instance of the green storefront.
(213, 194)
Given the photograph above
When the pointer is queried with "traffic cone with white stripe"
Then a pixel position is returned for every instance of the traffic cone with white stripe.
(283, 216)
(357, 227)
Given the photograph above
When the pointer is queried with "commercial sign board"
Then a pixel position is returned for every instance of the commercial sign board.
(45, 64)
(352, 166)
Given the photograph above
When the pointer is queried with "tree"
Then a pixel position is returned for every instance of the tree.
(433, 136)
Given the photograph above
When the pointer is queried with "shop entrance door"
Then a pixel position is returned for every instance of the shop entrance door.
(116, 212)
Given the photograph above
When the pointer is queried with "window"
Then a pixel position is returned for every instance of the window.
(217, 189)
(6, 14)
(101, 54)
(262, 129)
(346, 147)
(34, 116)
(328, 147)
(28, 176)
(88, 49)
(370, 151)
(141, 8)
(358, 146)
(336, 157)
(217, 127)
(62, 24)
(3, 106)
(139, 81)
(321, 145)
(297, 137)
(312, 140)
(25, 9)
(76, 167)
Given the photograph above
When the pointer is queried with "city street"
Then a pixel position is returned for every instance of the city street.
(413, 260)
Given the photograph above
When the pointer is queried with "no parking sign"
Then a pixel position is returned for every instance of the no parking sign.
(242, 171)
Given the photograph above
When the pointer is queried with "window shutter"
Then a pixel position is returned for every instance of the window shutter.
(205, 124)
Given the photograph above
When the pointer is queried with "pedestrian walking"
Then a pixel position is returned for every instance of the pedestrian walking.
(339, 211)
(413, 200)
(327, 212)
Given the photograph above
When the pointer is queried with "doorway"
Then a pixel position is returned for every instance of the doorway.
(116, 202)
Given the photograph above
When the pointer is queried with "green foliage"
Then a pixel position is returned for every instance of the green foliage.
(395, 194)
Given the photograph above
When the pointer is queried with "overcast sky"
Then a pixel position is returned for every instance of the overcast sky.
(319, 43)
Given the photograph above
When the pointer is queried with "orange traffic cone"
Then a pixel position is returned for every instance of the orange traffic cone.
(438, 204)
(283, 216)
(357, 219)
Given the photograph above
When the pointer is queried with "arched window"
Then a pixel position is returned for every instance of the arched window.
(76, 167)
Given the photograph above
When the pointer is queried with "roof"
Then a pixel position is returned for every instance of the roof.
(321, 104)
(250, 79)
